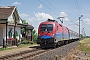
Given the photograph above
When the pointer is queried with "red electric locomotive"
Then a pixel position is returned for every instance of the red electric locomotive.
(52, 34)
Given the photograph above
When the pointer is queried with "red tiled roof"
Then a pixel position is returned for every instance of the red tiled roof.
(5, 11)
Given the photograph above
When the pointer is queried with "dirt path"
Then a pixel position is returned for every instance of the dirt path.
(76, 54)
(15, 50)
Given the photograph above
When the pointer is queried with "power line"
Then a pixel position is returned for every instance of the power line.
(77, 6)
(49, 8)
(74, 23)
(52, 5)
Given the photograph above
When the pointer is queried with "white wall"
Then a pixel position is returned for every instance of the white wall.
(1, 36)
(18, 29)
(3, 31)
(8, 28)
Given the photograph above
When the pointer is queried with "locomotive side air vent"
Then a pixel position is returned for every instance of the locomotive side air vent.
(50, 20)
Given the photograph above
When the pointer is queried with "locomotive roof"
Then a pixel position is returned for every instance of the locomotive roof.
(50, 20)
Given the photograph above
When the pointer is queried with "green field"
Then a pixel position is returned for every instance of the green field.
(85, 41)
(84, 45)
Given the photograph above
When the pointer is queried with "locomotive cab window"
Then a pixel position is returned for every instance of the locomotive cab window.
(46, 27)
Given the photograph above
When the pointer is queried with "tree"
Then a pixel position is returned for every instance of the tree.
(81, 36)
(34, 35)
(23, 29)
(24, 22)
(87, 36)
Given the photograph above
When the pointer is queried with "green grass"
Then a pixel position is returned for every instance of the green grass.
(24, 45)
(20, 46)
(3, 49)
(84, 45)
(84, 48)
(85, 41)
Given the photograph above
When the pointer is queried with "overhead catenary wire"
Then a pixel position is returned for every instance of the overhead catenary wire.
(52, 5)
(80, 16)
(74, 23)
(57, 9)
(78, 11)
(48, 8)
(77, 6)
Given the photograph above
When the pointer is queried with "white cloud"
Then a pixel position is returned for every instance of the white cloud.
(40, 16)
(63, 14)
(77, 21)
(66, 19)
(24, 15)
(16, 3)
(40, 6)
(32, 19)
(87, 21)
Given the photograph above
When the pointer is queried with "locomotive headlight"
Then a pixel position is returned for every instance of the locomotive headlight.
(53, 35)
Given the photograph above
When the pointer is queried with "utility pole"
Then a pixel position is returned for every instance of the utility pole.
(83, 33)
(79, 25)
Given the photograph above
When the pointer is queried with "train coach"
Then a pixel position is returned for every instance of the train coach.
(52, 34)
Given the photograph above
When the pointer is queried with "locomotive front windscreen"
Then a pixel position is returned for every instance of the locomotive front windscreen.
(46, 27)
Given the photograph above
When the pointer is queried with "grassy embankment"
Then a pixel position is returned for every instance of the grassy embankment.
(19, 46)
(84, 45)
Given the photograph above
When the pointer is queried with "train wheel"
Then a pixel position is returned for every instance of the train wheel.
(55, 45)
(58, 44)
(65, 42)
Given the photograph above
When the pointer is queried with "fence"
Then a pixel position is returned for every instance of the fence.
(12, 42)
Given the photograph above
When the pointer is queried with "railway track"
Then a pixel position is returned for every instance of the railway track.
(41, 54)
(61, 52)
(23, 55)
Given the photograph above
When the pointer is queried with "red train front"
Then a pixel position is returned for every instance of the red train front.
(50, 33)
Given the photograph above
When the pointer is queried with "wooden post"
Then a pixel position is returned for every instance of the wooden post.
(3, 43)
(31, 34)
(6, 31)
(25, 32)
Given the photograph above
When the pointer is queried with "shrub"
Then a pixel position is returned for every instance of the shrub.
(6, 45)
(25, 42)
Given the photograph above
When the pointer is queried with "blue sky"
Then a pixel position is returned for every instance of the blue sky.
(34, 12)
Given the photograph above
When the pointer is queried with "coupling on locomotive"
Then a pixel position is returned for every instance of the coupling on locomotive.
(51, 34)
